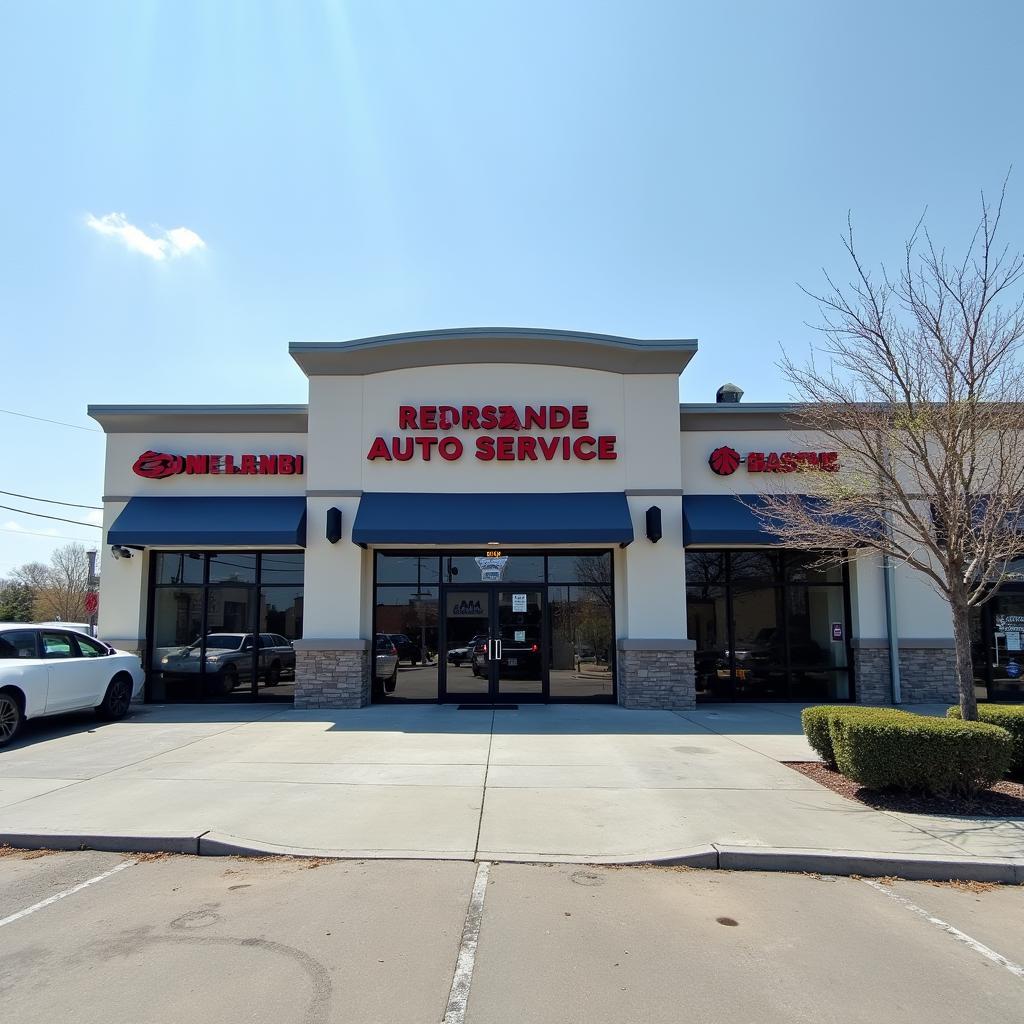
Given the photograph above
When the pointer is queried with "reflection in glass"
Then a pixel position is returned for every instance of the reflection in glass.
(512, 568)
(592, 569)
(582, 642)
(408, 617)
(407, 568)
(707, 624)
(177, 624)
(230, 647)
(179, 567)
(467, 628)
(232, 567)
(282, 567)
(520, 629)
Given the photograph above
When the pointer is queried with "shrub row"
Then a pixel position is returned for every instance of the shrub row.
(885, 748)
(1009, 717)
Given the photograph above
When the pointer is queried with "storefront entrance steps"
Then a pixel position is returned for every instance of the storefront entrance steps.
(545, 783)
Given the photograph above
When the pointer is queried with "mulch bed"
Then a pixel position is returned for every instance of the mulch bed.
(1003, 800)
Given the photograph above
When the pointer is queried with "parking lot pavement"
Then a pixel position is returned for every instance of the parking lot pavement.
(310, 942)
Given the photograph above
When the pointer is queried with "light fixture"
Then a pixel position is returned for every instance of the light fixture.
(120, 551)
(653, 517)
(333, 525)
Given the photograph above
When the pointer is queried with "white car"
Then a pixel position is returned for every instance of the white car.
(47, 671)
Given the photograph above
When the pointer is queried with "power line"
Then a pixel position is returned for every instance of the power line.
(39, 515)
(51, 501)
(51, 536)
(43, 419)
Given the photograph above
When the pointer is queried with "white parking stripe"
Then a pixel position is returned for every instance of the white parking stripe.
(978, 947)
(67, 892)
(456, 1012)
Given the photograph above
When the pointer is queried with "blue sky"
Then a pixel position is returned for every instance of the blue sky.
(657, 169)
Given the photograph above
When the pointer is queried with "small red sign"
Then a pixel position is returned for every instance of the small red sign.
(725, 461)
(92, 602)
(157, 465)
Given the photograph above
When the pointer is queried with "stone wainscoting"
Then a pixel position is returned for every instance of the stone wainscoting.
(927, 672)
(656, 674)
(332, 673)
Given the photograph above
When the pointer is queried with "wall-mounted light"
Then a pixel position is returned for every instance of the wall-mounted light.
(119, 551)
(333, 525)
(654, 524)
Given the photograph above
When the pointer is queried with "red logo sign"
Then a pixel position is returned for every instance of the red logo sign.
(92, 602)
(725, 461)
(157, 465)
(519, 445)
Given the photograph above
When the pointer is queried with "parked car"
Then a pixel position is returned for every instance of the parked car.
(385, 661)
(518, 657)
(48, 671)
(407, 650)
(78, 627)
(229, 659)
(458, 655)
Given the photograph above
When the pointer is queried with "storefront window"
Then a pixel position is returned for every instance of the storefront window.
(997, 647)
(582, 642)
(768, 625)
(407, 568)
(484, 568)
(407, 616)
(230, 638)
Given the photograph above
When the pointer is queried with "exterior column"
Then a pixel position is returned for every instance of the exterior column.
(656, 674)
(332, 673)
(927, 671)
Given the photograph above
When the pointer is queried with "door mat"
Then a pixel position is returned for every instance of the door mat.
(488, 707)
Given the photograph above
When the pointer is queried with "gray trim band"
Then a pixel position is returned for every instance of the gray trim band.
(331, 644)
(195, 419)
(729, 416)
(905, 643)
(654, 492)
(334, 494)
(631, 644)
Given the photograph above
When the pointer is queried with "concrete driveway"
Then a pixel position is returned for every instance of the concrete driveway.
(579, 782)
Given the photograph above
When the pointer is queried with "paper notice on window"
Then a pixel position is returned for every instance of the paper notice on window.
(518, 602)
(520, 636)
(1013, 641)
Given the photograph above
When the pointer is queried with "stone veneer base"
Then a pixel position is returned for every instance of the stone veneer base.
(655, 679)
(332, 678)
(927, 675)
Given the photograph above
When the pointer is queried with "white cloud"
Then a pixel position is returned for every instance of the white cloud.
(94, 515)
(166, 245)
(15, 527)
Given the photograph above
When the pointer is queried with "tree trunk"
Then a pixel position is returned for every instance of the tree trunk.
(964, 665)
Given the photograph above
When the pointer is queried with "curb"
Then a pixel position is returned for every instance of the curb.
(716, 856)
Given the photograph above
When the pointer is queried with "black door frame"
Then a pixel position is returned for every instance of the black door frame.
(493, 694)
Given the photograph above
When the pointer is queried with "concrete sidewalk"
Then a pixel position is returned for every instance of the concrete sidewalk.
(574, 782)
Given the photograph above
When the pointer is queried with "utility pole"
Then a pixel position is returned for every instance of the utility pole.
(91, 598)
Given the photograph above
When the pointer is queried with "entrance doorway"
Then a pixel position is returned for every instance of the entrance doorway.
(495, 644)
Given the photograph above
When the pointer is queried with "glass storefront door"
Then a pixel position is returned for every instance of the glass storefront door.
(997, 648)
(494, 642)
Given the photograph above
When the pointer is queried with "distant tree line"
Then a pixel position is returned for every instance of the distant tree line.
(38, 592)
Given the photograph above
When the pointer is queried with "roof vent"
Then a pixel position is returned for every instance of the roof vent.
(728, 393)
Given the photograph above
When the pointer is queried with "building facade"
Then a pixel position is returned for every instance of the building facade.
(519, 515)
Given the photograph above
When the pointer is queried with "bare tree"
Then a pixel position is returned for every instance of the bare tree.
(56, 591)
(918, 384)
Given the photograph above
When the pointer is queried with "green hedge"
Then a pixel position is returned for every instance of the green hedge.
(889, 749)
(1009, 717)
(816, 725)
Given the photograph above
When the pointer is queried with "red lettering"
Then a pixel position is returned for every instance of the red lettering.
(229, 465)
(771, 463)
(248, 463)
(485, 449)
(488, 418)
(286, 465)
(583, 448)
(548, 447)
(428, 417)
(528, 448)
(403, 448)
(580, 419)
(450, 449)
(566, 449)
(508, 418)
(787, 462)
(300, 462)
(406, 417)
(216, 464)
(268, 465)
(197, 464)
(447, 417)
(505, 452)
(606, 448)
(755, 462)
(471, 417)
(558, 417)
(536, 417)
(828, 462)
(378, 450)
(426, 443)
(807, 460)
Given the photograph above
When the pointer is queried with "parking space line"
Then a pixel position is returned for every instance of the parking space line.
(67, 892)
(979, 947)
(459, 997)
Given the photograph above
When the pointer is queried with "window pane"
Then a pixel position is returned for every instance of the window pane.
(179, 567)
(282, 567)
(281, 611)
(595, 570)
(230, 668)
(759, 650)
(176, 654)
(482, 568)
(407, 568)
(58, 645)
(89, 648)
(819, 685)
(759, 566)
(707, 624)
(232, 567)
(582, 642)
(812, 611)
(801, 567)
(20, 643)
(1007, 647)
(407, 618)
(705, 568)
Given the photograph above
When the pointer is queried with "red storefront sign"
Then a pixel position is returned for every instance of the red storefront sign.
(157, 465)
(725, 460)
(495, 446)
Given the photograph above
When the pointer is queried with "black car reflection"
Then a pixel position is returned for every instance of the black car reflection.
(230, 659)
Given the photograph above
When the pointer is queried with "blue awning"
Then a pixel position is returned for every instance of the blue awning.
(732, 519)
(210, 522)
(600, 517)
